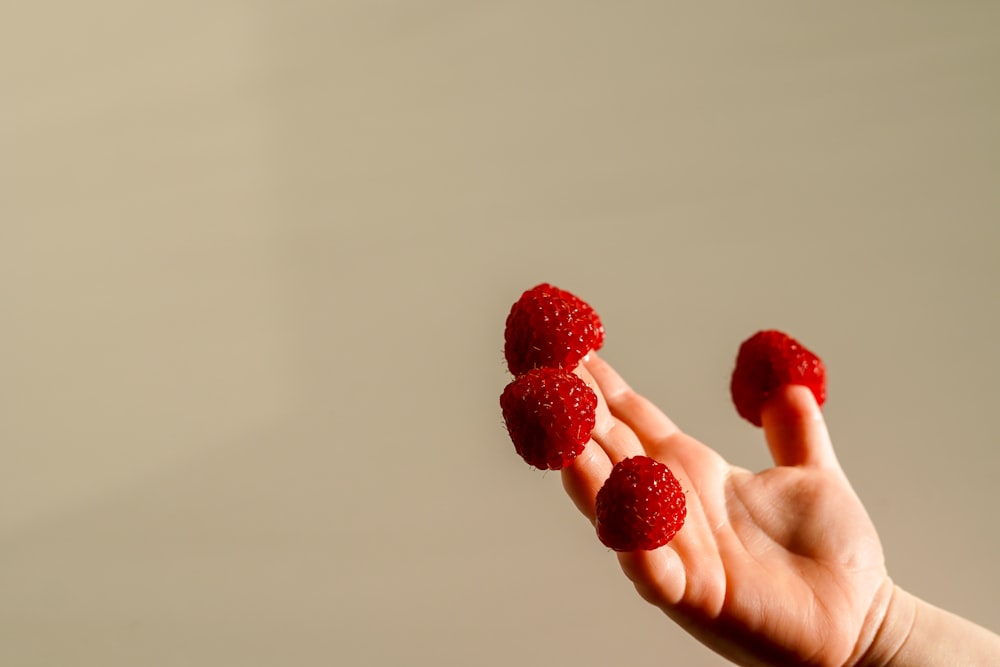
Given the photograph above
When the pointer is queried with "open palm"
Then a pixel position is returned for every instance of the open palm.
(778, 567)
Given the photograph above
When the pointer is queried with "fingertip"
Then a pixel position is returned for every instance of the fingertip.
(658, 575)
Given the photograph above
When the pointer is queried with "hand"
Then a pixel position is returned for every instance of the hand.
(783, 566)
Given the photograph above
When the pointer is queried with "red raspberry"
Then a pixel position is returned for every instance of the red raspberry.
(549, 415)
(640, 506)
(549, 327)
(768, 360)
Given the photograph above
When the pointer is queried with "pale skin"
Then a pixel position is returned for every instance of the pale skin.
(781, 567)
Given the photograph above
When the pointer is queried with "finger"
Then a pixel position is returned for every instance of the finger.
(795, 429)
(585, 476)
(658, 575)
(611, 441)
(614, 436)
(645, 419)
(658, 435)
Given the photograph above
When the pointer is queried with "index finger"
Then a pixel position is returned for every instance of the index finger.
(646, 420)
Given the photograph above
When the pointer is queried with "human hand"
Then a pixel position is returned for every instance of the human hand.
(777, 567)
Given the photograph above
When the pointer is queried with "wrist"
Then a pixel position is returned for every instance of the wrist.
(914, 633)
(893, 631)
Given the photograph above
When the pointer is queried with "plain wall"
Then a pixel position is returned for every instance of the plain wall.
(256, 259)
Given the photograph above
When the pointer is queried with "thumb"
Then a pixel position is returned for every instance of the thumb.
(795, 429)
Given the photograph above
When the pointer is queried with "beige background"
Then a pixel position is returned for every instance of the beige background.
(256, 259)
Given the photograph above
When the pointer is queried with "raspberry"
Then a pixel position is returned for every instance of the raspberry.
(549, 414)
(549, 327)
(768, 360)
(640, 506)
